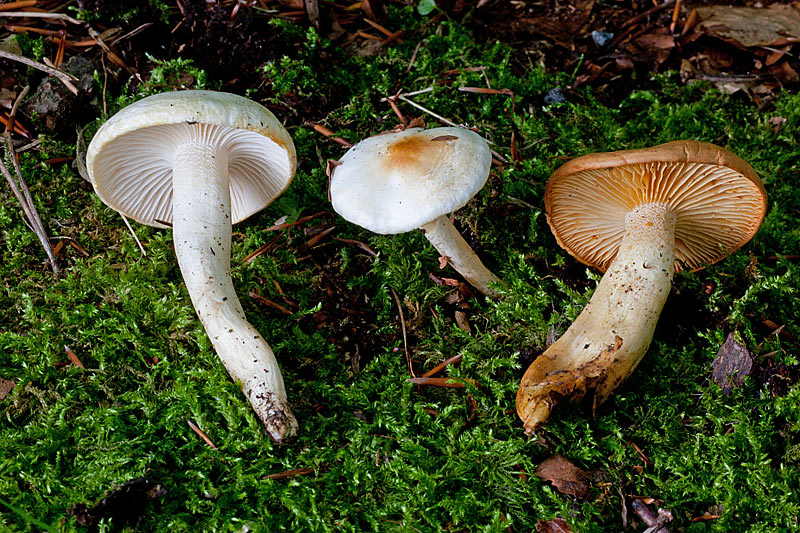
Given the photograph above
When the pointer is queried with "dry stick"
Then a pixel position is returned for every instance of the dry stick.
(643, 16)
(20, 188)
(35, 14)
(62, 76)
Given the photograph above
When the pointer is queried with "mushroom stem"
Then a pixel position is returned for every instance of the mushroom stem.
(449, 242)
(202, 234)
(612, 333)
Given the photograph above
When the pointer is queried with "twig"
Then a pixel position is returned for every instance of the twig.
(438, 117)
(642, 16)
(20, 188)
(63, 76)
(412, 93)
(35, 14)
(405, 338)
(135, 238)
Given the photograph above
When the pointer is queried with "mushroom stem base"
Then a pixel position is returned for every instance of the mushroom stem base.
(202, 235)
(610, 336)
(448, 241)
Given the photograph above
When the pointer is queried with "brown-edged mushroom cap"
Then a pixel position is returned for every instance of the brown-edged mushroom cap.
(717, 197)
(130, 159)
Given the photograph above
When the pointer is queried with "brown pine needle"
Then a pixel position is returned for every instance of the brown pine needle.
(453, 383)
(261, 250)
(269, 303)
(72, 357)
(360, 244)
(438, 368)
(201, 434)
(290, 473)
(405, 336)
(319, 128)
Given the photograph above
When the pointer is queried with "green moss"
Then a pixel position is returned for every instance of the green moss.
(387, 455)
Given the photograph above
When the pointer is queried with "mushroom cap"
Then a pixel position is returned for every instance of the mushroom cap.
(395, 182)
(130, 157)
(718, 199)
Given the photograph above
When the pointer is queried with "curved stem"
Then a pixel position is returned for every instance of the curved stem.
(202, 235)
(612, 333)
(449, 242)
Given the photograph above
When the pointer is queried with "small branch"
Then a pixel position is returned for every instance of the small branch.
(34, 14)
(63, 76)
(135, 238)
(20, 188)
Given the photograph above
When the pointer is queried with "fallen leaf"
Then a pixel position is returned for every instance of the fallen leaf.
(566, 478)
(556, 525)
(6, 385)
(732, 364)
(442, 261)
(750, 26)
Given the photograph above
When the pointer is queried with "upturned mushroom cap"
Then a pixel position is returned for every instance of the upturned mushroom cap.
(395, 182)
(717, 197)
(130, 157)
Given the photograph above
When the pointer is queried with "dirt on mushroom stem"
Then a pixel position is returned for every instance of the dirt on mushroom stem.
(610, 336)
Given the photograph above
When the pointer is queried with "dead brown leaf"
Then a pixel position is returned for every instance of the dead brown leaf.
(6, 385)
(556, 525)
(732, 364)
(566, 478)
(750, 26)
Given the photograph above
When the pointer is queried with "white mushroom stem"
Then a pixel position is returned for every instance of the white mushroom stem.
(202, 234)
(610, 336)
(449, 242)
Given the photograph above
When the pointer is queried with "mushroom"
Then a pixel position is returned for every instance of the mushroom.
(400, 180)
(639, 216)
(199, 161)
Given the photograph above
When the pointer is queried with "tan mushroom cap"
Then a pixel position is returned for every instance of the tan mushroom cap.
(130, 157)
(717, 197)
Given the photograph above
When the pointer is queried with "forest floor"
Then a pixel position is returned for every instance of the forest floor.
(117, 415)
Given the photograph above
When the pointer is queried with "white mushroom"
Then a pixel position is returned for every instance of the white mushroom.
(200, 161)
(398, 181)
(638, 215)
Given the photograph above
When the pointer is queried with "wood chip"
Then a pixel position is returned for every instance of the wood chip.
(6, 385)
(732, 364)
